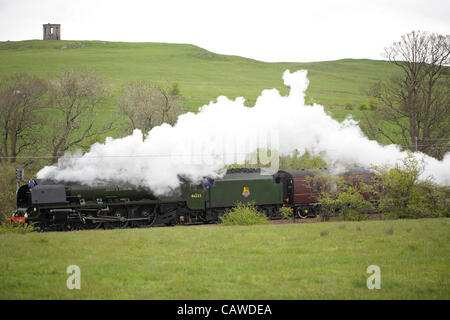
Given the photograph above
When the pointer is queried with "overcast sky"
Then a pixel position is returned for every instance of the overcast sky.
(278, 30)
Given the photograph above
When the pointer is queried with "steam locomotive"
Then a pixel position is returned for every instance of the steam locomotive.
(51, 206)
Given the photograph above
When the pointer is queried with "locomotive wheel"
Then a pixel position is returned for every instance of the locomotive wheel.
(121, 213)
(149, 213)
(98, 225)
(301, 213)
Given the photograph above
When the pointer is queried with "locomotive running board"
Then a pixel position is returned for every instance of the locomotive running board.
(114, 219)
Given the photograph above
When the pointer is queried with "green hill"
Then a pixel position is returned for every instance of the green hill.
(202, 75)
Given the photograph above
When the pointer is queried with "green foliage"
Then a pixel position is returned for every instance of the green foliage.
(243, 214)
(340, 198)
(174, 89)
(402, 195)
(362, 107)
(348, 106)
(15, 227)
(305, 161)
(7, 190)
(373, 103)
(287, 213)
(286, 162)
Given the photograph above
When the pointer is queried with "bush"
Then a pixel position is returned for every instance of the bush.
(243, 214)
(15, 227)
(348, 106)
(363, 107)
(402, 195)
(338, 198)
(374, 103)
(287, 213)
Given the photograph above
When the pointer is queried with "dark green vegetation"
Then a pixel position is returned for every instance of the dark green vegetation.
(288, 261)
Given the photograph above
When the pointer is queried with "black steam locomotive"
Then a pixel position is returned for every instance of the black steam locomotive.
(54, 206)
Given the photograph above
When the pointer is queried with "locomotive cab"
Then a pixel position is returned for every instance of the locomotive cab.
(23, 205)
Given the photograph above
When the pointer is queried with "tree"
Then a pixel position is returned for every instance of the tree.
(74, 98)
(415, 104)
(147, 105)
(7, 190)
(21, 97)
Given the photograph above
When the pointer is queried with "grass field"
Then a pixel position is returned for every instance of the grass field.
(202, 75)
(276, 261)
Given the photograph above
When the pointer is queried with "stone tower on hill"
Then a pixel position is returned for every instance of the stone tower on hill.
(52, 31)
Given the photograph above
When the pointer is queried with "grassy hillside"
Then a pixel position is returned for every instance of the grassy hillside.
(202, 75)
(278, 261)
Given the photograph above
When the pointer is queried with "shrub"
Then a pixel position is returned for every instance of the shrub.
(403, 195)
(287, 213)
(338, 198)
(14, 227)
(243, 214)
(374, 103)
(348, 106)
(363, 107)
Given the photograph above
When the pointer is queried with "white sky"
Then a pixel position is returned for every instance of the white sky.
(277, 30)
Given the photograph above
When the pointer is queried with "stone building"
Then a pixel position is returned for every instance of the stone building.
(52, 31)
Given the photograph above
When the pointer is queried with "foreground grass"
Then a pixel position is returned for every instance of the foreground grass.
(290, 261)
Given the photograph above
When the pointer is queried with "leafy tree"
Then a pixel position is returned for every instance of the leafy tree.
(415, 104)
(147, 105)
(305, 161)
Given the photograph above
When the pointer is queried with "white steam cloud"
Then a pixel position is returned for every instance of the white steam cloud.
(226, 132)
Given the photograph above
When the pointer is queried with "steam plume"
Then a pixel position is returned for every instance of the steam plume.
(225, 132)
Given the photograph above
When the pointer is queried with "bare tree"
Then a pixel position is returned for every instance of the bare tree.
(75, 98)
(415, 104)
(171, 102)
(147, 105)
(21, 97)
